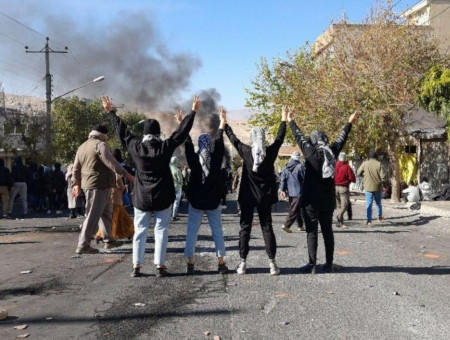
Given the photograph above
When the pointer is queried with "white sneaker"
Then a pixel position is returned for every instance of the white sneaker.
(224, 206)
(242, 269)
(274, 270)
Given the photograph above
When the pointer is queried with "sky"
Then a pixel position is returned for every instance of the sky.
(158, 54)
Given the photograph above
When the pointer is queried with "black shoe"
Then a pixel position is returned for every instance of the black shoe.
(175, 218)
(333, 268)
(190, 269)
(222, 268)
(161, 272)
(136, 272)
(308, 269)
(112, 244)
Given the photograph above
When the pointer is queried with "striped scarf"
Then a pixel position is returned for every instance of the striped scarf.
(204, 152)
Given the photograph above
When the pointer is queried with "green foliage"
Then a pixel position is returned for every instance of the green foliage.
(73, 119)
(434, 91)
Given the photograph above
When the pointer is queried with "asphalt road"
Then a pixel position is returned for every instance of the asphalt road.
(393, 285)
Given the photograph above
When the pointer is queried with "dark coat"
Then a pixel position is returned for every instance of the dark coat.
(318, 192)
(207, 195)
(292, 178)
(258, 187)
(153, 187)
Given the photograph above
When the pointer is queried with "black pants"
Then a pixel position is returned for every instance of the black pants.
(265, 219)
(312, 220)
(295, 212)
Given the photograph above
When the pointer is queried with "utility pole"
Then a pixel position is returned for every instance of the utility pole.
(48, 84)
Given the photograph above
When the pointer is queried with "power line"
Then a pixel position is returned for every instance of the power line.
(21, 24)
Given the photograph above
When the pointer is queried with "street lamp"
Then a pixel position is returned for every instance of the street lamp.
(96, 80)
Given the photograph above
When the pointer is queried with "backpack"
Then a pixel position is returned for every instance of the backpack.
(329, 163)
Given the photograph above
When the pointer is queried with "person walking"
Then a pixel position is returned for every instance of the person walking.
(154, 190)
(204, 192)
(21, 177)
(343, 176)
(373, 174)
(319, 198)
(258, 189)
(6, 184)
(94, 171)
(178, 182)
(291, 185)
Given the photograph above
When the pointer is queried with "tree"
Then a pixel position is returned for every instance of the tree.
(73, 119)
(434, 92)
(374, 67)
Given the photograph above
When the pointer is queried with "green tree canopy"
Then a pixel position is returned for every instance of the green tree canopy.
(73, 119)
(434, 92)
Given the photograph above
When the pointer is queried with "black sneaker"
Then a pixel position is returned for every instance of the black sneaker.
(190, 268)
(308, 269)
(161, 272)
(222, 268)
(136, 272)
(333, 268)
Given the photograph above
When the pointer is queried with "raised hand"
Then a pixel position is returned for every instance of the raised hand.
(196, 103)
(284, 113)
(179, 115)
(223, 117)
(107, 105)
(354, 117)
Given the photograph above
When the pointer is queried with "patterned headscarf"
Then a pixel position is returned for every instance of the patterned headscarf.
(204, 152)
(258, 139)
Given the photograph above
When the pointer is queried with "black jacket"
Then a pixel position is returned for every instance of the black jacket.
(153, 187)
(318, 192)
(258, 187)
(205, 196)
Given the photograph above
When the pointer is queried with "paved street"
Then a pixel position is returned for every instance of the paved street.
(393, 285)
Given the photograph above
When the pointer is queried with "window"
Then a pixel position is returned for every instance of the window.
(410, 149)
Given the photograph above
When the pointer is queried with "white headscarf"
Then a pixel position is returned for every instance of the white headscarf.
(258, 139)
(150, 137)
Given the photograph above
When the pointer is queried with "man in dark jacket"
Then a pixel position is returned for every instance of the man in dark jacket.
(319, 198)
(154, 189)
(6, 184)
(21, 176)
(342, 178)
(258, 189)
(204, 192)
(291, 185)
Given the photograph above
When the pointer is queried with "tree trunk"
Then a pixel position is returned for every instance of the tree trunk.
(395, 172)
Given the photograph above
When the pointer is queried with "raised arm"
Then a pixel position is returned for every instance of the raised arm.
(119, 125)
(181, 133)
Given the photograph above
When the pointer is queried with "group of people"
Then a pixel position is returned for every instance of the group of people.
(315, 182)
(40, 188)
(154, 191)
